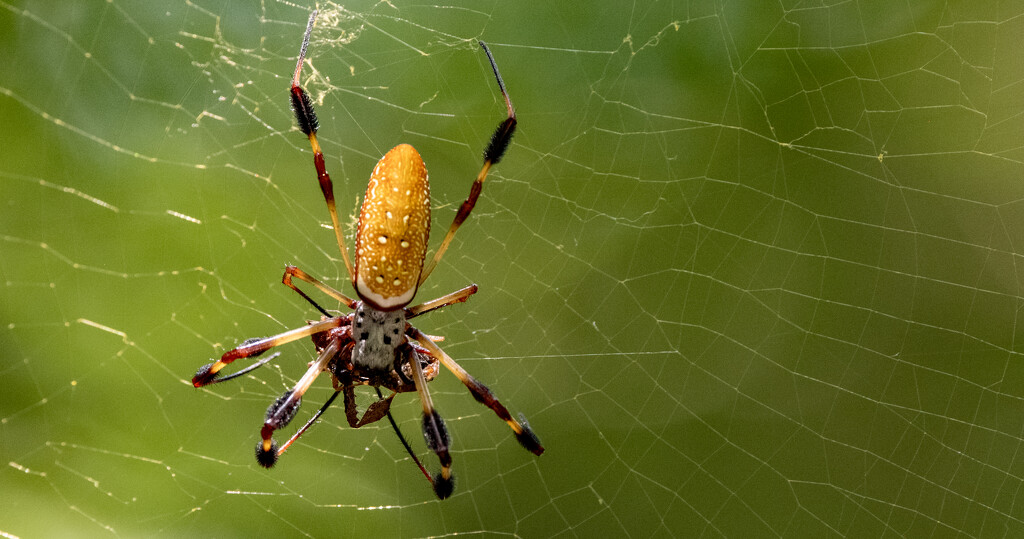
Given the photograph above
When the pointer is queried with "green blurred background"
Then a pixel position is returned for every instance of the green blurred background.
(749, 268)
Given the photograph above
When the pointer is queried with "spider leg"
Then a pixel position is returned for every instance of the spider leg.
(207, 374)
(405, 444)
(302, 105)
(492, 155)
(250, 368)
(308, 424)
(281, 412)
(292, 271)
(450, 299)
(482, 394)
(434, 432)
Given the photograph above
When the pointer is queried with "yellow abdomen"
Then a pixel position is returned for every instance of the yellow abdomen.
(394, 225)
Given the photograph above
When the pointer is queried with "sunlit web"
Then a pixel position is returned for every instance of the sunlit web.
(750, 269)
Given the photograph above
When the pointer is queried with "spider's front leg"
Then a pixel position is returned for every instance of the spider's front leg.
(209, 373)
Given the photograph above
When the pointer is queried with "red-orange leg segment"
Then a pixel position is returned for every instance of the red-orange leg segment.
(302, 105)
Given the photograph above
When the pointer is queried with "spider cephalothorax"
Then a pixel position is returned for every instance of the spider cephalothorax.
(375, 345)
(377, 335)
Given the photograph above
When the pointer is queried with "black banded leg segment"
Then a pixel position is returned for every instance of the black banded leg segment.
(483, 395)
(434, 431)
(208, 374)
(281, 412)
(302, 105)
(500, 140)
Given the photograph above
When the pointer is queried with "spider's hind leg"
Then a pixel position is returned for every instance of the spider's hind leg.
(483, 395)
(434, 430)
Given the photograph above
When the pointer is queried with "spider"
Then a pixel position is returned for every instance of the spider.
(375, 345)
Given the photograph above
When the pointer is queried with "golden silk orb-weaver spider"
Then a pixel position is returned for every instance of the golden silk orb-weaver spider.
(375, 345)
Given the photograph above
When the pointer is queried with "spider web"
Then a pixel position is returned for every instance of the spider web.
(749, 268)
